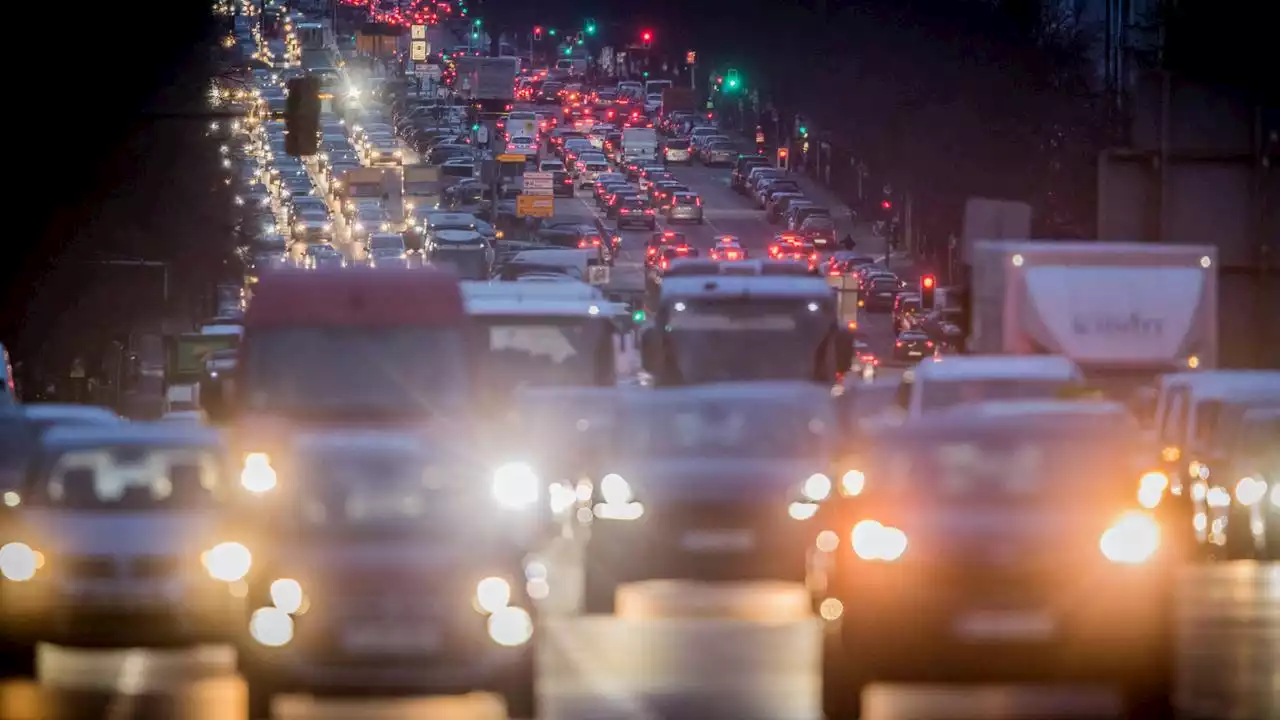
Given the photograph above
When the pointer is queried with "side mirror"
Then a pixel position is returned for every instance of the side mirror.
(651, 350)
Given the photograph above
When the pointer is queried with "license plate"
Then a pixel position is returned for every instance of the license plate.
(392, 638)
(1006, 625)
(914, 353)
(718, 540)
(884, 294)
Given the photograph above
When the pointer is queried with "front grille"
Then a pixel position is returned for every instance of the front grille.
(154, 566)
(89, 567)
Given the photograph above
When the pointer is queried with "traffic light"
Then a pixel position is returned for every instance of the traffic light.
(691, 58)
(537, 32)
(637, 316)
(646, 39)
(928, 284)
(731, 80)
(589, 26)
(568, 50)
(552, 32)
(580, 39)
(302, 117)
(886, 205)
(783, 155)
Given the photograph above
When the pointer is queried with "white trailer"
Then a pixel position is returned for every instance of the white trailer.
(1113, 308)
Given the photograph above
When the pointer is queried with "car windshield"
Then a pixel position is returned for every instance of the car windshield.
(938, 394)
(545, 351)
(343, 370)
(128, 479)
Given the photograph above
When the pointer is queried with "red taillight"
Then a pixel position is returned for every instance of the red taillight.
(665, 264)
(595, 242)
(732, 255)
(898, 344)
(648, 211)
(774, 250)
(567, 181)
(682, 251)
(652, 252)
(698, 201)
(929, 344)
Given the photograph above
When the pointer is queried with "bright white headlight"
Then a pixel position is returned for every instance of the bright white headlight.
(228, 561)
(516, 485)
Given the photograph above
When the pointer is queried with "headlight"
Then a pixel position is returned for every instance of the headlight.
(18, 562)
(359, 227)
(408, 207)
(1250, 491)
(852, 483)
(328, 226)
(286, 595)
(614, 490)
(271, 627)
(384, 227)
(515, 485)
(228, 561)
(873, 541)
(1132, 540)
(258, 476)
(817, 487)
(1151, 489)
(1217, 497)
(511, 627)
(493, 594)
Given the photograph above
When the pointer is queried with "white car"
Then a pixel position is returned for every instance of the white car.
(526, 146)
(118, 520)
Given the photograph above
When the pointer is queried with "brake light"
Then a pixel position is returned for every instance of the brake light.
(775, 251)
(595, 242)
(665, 264)
(698, 201)
(732, 254)
(567, 181)
(929, 344)
(682, 250)
(648, 211)
(898, 344)
(653, 251)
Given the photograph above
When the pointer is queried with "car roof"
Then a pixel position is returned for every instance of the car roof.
(136, 434)
(967, 367)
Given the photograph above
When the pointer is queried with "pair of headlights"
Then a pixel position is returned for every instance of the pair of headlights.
(515, 485)
(227, 562)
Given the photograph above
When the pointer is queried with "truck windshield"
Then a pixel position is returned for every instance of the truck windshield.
(755, 430)
(546, 351)
(747, 339)
(345, 370)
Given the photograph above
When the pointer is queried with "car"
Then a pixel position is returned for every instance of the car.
(728, 247)
(633, 210)
(685, 207)
(676, 150)
(131, 519)
(1005, 519)
(912, 345)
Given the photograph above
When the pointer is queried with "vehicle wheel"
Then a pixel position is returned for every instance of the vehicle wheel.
(598, 593)
(841, 682)
(519, 692)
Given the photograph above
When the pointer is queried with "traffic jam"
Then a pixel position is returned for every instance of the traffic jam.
(475, 324)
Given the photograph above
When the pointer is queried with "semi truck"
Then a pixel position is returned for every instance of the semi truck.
(487, 81)
(1123, 312)
(679, 100)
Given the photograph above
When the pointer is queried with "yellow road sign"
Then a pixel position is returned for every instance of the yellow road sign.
(511, 157)
(535, 206)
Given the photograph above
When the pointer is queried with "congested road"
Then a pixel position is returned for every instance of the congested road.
(688, 651)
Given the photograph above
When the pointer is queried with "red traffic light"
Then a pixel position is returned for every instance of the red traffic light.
(646, 36)
(886, 204)
(928, 281)
(537, 31)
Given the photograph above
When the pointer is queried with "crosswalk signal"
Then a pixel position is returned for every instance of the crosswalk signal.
(783, 157)
(302, 117)
(928, 284)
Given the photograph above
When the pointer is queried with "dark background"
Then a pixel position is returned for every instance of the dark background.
(96, 177)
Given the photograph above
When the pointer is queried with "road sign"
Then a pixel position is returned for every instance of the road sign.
(539, 183)
(418, 50)
(511, 157)
(427, 71)
(535, 206)
(417, 32)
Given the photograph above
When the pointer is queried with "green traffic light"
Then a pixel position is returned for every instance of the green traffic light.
(476, 126)
(733, 82)
(645, 73)
(591, 29)
(552, 32)
(475, 35)
(637, 316)
(568, 51)
(804, 130)
(579, 41)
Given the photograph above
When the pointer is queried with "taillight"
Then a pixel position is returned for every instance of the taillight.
(682, 251)
(929, 344)
(698, 201)
(648, 211)
(898, 344)
(652, 252)
(665, 264)
(582, 244)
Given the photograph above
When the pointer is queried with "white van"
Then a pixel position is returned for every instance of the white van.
(1183, 399)
(939, 383)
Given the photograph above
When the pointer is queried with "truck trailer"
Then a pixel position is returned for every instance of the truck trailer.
(1119, 310)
